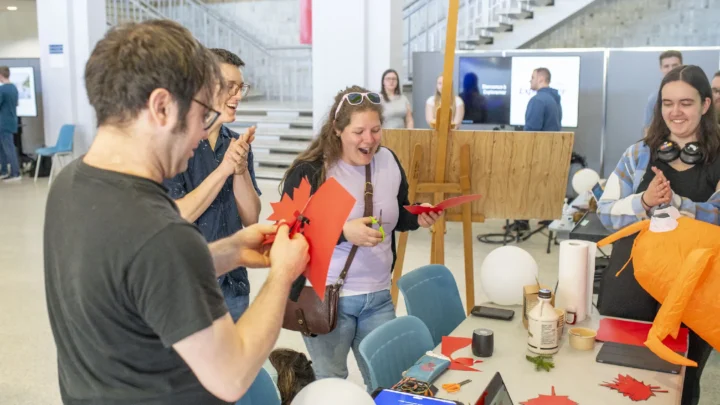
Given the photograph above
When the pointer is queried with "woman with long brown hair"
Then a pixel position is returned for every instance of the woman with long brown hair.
(433, 102)
(677, 164)
(348, 150)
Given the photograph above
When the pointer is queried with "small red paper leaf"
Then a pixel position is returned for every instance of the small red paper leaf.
(550, 400)
(632, 388)
(284, 210)
(301, 195)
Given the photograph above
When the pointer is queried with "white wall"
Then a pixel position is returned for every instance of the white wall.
(77, 25)
(19, 33)
(353, 43)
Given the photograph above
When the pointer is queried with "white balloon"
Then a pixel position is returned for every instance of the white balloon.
(584, 180)
(332, 391)
(504, 273)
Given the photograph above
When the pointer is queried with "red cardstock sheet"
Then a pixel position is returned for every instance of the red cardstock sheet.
(449, 203)
(451, 344)
(635, 333)
(326, 213)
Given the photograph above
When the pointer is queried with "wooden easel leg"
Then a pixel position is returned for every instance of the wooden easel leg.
(413, 177)
(466, 187)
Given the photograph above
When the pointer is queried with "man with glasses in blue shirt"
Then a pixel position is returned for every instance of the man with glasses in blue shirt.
(218, 191)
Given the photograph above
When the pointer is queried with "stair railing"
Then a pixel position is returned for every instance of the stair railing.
(274, 73)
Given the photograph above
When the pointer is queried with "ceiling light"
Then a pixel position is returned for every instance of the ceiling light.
(12, 8)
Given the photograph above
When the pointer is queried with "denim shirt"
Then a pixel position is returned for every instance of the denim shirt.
(221, 219)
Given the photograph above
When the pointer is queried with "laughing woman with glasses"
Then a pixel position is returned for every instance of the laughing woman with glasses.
(348, 149)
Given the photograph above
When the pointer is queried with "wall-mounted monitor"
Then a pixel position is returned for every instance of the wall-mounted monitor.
(24, 79)
(484, 85)
(565, 78)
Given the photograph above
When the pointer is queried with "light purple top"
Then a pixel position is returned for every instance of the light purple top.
(370, 269)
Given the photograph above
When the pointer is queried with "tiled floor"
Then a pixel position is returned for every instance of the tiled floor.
(27, 353)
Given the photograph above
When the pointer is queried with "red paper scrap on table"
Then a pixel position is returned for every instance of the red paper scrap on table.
(450, 345)
(636, 333)
(632, 388)
(324, 215)
(449, 203)
(550, 400)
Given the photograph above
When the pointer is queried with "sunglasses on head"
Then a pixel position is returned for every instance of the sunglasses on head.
(357, 98)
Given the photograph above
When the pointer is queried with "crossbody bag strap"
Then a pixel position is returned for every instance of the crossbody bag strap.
(368, 212)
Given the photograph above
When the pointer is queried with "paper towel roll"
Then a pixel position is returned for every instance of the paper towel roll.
(575, 277)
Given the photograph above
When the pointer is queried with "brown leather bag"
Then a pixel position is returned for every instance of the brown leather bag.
(309, 314)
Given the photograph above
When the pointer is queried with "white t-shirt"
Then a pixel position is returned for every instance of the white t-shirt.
(431, 102)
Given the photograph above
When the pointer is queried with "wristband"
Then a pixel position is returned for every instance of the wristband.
(642, 200)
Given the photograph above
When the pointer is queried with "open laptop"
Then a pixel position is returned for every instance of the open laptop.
(495, 394)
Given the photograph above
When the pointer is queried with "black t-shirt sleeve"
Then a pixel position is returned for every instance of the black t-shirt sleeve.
(172, 284)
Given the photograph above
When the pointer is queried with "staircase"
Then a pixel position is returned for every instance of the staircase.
(281, 134)
(282, 74)
(281, 79)
(482, 24)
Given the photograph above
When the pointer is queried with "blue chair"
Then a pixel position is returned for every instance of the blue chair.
(431, 294)
(393, 348)
(63, 147)
(261, 392)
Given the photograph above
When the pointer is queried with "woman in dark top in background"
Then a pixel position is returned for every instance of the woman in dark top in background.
(678, 164)
(347, 146)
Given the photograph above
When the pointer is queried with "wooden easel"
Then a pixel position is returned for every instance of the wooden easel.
(519, 174)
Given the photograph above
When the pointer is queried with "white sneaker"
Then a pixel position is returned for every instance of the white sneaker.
(15, 179)
(4, 176)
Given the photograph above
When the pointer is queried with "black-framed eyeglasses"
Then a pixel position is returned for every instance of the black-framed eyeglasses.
(236, 88)
(210, 116)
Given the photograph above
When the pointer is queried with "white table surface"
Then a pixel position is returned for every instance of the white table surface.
(576, 373)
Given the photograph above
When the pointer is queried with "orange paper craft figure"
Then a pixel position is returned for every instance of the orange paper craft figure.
(676, 261)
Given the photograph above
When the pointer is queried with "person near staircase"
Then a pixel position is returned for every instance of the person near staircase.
(218, 191)
(8, 127)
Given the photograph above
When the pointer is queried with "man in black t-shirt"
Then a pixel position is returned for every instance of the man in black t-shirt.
(134, 305)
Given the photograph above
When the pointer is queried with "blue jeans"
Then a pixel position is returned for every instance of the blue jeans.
(358, 315)
(237, 304)
(8, 155)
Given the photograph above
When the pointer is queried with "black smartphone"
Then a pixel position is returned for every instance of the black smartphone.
(494, 313)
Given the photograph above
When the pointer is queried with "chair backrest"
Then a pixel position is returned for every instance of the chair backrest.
(431, 294)
(65, 139)
(393, 348)
(261, 392)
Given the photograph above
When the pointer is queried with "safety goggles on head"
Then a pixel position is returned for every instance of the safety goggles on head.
(357, 98)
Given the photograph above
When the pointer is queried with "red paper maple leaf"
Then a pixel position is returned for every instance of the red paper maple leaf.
(287, 208)
(323, 218)
(550, 400)
(632, 388)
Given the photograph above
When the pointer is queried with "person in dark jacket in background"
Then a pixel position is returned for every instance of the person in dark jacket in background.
(8, 127)
(544, 112)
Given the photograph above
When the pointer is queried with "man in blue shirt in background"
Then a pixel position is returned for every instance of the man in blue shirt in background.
(669, 60)
(218, 191)
(8, 127)
(544, 112)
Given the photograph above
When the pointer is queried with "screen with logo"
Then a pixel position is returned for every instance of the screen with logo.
(484, 86)
(564, 77)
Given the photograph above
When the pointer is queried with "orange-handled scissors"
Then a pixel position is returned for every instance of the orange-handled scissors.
(454, 387)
